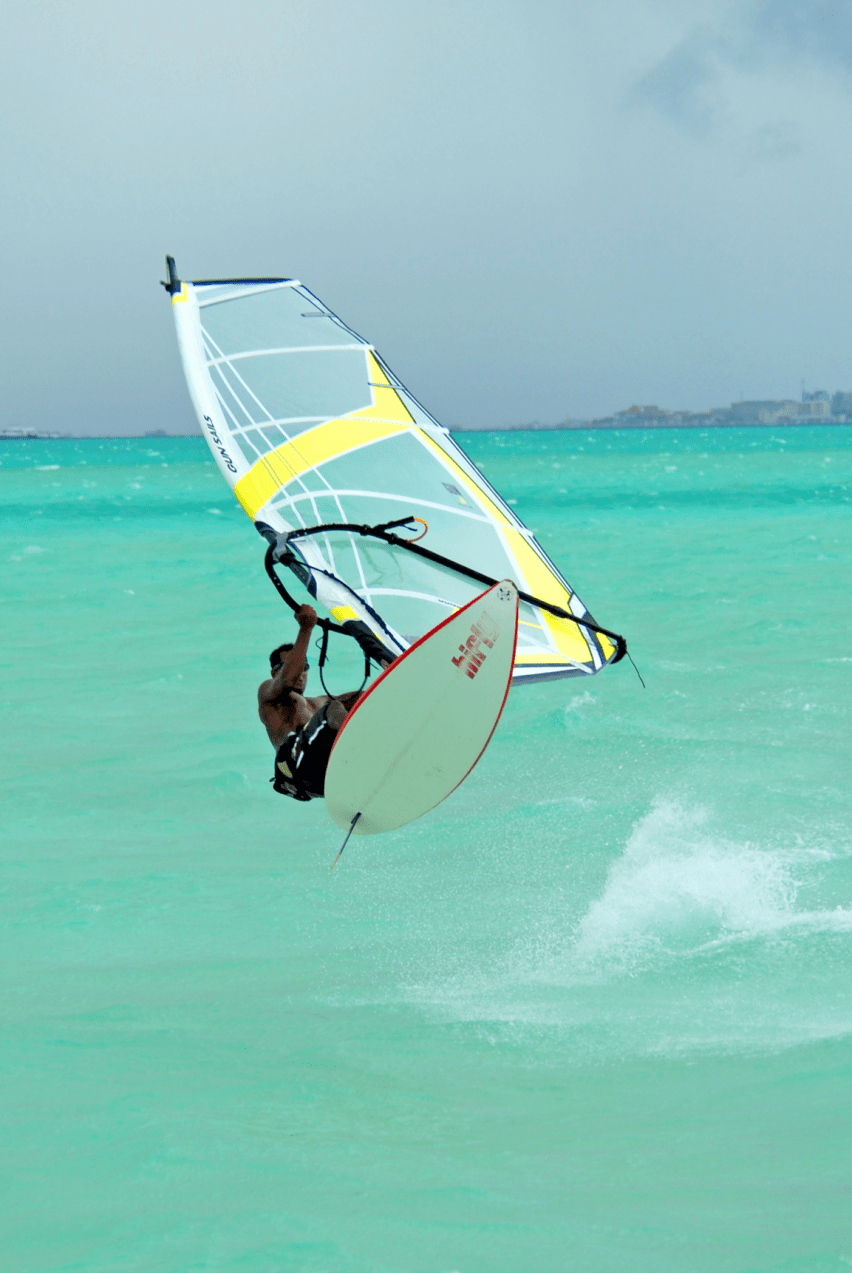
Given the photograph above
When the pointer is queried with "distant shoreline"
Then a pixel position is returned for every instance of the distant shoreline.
(575, 426)
(605, 426)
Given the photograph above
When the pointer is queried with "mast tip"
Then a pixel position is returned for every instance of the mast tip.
(173, 284)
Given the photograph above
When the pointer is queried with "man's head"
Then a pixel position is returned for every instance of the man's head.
(277, 657)
(276, 662)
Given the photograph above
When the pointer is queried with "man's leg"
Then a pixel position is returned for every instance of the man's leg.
(316, 740)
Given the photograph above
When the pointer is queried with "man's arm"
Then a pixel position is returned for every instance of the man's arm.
(295, 659)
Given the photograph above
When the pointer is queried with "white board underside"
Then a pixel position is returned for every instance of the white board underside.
(421, 728)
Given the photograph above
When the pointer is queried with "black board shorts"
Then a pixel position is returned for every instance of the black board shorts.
(301, 760)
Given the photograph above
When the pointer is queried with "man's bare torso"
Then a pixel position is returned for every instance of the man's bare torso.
(287, 713)
(281, 701)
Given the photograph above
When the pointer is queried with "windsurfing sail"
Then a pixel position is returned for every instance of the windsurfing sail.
(331, 456)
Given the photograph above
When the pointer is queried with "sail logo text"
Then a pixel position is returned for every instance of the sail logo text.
(471, 655)
(229, 463)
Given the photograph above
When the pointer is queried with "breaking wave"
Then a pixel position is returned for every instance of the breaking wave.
(695, 942)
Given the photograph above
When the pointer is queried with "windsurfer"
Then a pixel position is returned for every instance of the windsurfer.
(301, 729)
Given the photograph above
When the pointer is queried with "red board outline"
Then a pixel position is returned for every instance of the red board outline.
(437, 628)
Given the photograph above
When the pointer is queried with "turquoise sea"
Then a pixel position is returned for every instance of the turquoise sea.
(593, 1013)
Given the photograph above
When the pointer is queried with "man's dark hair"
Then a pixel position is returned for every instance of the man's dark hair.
(276, 658)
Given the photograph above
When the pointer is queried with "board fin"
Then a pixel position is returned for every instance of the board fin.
(345, 842)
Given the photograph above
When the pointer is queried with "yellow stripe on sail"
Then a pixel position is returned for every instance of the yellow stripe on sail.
(544, 659)
(340, 614)
(540, 579)
(566, 635)
(387, 415)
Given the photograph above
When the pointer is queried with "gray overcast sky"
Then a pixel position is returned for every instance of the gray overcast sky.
(534, 210)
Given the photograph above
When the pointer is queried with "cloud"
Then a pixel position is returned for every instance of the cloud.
(688, 84)
(802, 29)
(684, 85)
(777, 141)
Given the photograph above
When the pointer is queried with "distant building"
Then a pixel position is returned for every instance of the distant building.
(14, 435)
(841, 405)
(650, 412)
(813, 408)
(764, 411)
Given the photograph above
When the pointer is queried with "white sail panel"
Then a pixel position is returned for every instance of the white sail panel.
(310, 427)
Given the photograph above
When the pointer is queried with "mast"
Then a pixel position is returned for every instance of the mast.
(173, 284)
